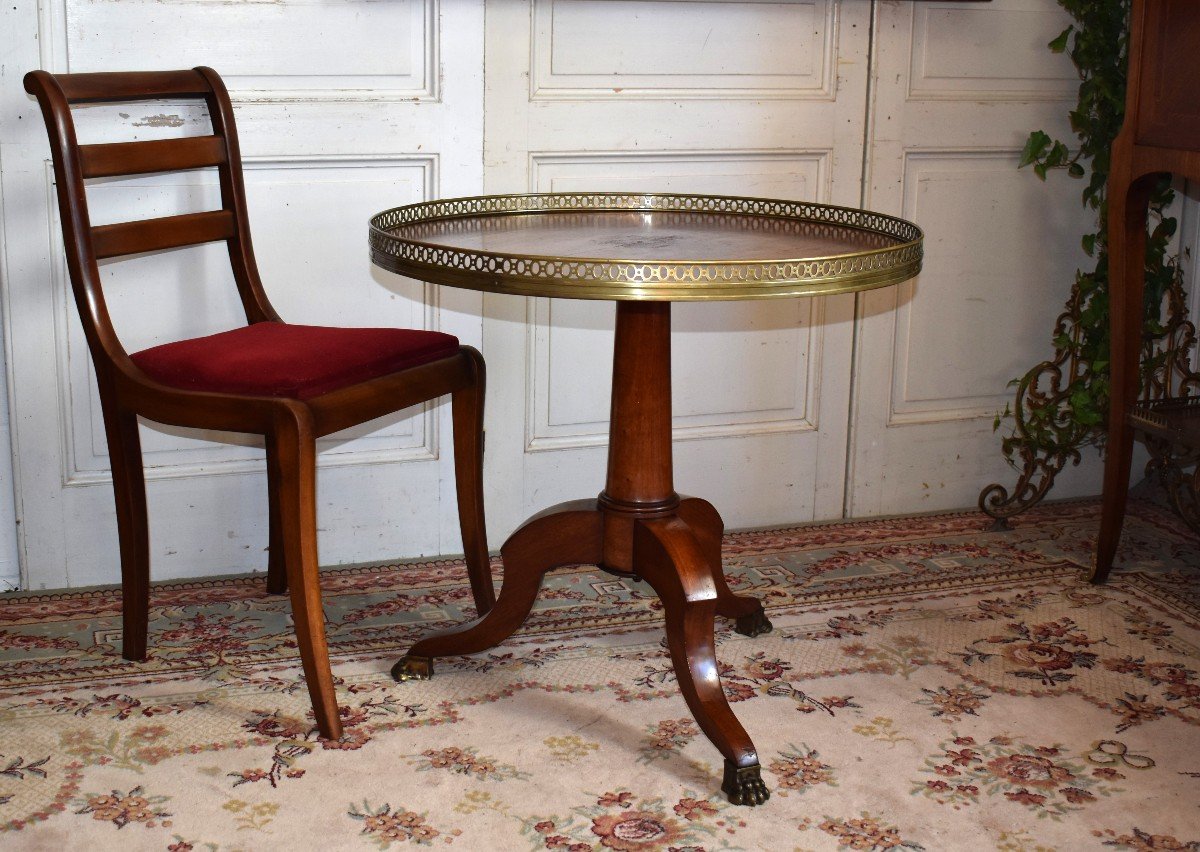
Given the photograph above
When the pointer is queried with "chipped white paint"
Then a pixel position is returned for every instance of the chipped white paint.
(357, 105)
(760, 390)
(329, 136)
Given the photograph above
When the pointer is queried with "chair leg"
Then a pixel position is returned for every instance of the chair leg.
(277, 583)
(129, 489)
(1127, 211)
(467, 406)
(293, 466)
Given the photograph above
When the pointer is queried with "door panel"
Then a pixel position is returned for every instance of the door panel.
(385, 109)
(784, 411)
(957, 88)
(738, 98)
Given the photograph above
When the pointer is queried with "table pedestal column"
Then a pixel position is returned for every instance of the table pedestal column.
(640, 528)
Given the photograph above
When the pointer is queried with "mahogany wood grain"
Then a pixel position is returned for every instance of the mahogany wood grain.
(708, 528)
(639, 528)
(186, 229)
(566, 534)
(289, 427)
(157, 155)
(1161, 135)
(668, 555)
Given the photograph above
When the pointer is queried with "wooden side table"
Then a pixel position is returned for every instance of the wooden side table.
(642, 251)
(1160, 136)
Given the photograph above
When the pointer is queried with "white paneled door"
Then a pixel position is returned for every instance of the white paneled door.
(785, 411)
(344, 109)
(735, 98)
(957, 87)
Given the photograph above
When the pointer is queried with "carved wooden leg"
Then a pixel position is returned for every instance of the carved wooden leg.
(1127, 208)
(276, 565)
(129, 488)
(467, 405)
(566, 534)
(749, 617)
(294, 468)
(670, 558)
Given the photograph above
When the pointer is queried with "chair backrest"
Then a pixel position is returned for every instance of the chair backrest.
(74, 163)
(1164, 64)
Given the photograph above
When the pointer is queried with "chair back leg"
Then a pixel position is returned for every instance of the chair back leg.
(129, 489)
(277, 583)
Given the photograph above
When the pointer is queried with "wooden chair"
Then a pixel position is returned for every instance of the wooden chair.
(1161, 135)
(289, 383)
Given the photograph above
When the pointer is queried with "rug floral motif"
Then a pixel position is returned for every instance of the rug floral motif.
(929, 685)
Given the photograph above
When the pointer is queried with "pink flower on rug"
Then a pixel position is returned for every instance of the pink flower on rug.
(735, 691)
(274, 725)
(352, 740)
(1141, 841)
(691, 809)
(1031, 770)
(1076, 796)
(965, 757)
(1025, 797)
(800, 768)
(630, 831)
(1039, 655)
(622, 799)
(123, 808)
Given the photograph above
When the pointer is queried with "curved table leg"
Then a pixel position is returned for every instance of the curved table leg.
(747, 612)
(672, 560)
(567, 534)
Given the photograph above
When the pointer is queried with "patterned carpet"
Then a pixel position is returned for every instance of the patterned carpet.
(928, 685)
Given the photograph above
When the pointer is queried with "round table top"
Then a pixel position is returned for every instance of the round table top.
(645, 247)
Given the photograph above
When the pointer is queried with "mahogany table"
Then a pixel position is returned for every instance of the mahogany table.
(644, 252)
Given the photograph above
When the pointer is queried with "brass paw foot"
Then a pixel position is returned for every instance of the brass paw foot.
(754, 624)
(744, 785)
(412, 668)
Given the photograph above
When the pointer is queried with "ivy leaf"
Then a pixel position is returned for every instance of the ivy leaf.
(1035, 148)
(1089, 244)
(1059, 43)
(1075, 170)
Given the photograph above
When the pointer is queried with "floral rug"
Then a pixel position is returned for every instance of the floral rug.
(929, 684)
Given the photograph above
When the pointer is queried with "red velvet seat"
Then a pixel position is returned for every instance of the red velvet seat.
(292, 361)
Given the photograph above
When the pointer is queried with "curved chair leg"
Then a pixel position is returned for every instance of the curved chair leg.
(1127, 216)
(129, 489)
(566, 534)
(467, 408)
(276, 565)
(747, 612)
(294, 468)
(669, 557)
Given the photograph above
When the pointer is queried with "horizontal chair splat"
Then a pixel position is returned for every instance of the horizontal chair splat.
(159, 155)
(162, 233)
(107, 86)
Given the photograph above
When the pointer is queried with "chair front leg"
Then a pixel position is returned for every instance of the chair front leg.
(129, 489)
(293, 467)
(467, 407)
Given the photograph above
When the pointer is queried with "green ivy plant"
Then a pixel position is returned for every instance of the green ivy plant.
(1057, 424)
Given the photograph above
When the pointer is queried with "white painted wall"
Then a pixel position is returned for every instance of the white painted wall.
(789, 411)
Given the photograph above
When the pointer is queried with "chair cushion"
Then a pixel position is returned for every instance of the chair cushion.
(294, 361)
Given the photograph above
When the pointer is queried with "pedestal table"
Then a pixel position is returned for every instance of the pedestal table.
(644, 252)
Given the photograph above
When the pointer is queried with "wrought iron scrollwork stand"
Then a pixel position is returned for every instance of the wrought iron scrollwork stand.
(1047, 388)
